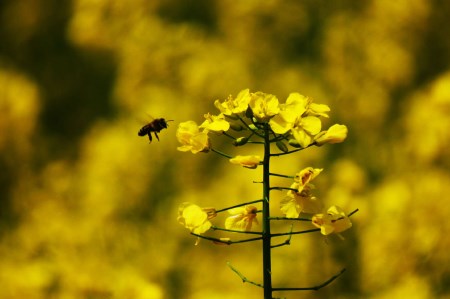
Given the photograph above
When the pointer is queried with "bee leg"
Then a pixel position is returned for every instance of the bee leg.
(150, 136)
(156, 136)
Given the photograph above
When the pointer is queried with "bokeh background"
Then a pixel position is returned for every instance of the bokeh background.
(88, 208)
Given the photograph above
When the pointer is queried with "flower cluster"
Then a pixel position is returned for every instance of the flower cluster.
(299, 199)
(297, 122)
(196, 219)
(260, 120)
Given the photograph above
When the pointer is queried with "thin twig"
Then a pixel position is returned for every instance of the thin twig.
(353, 212)
(297, 232)
(282, 175)
(228, 242)
(235, 231)
(305, 219)
(287, 241)
(315, 288)
(239, 205)
(248, 127)
(293, 151)
(244, 279)
(220, 153)
(228, 135)
(283, 188)
(290, 219)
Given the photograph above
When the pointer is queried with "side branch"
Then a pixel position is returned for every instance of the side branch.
(283, 188)
(297, 232)
(286, 242)
(235, 231)
(239, 205)
(220, 153)
(225, 240)
(244, 279)
(290, 219)
(281, 175)
(305, 219)
(353, 212)
(293, 151)
(314, 288)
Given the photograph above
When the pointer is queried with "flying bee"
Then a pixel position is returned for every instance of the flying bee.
(155, 126)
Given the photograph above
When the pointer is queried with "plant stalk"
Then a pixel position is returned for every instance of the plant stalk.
(267, 263)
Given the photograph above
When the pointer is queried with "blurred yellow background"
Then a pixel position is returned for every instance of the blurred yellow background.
(88, 208)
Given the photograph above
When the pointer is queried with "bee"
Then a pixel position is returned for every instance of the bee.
(155, 126)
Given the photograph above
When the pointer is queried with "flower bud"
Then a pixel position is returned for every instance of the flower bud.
(251, 161)
(240, 141)
(282, 147)
(236, 127)
(294, 143)
(335, 134)
(252, 127)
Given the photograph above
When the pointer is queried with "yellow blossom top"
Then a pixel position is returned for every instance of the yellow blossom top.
(264, 105)
(301, 117)
(234, 106)
(215, 123)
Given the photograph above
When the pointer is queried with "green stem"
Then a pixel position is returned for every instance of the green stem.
(235, 231)
(297, 232)
(227, 242)
(290, 219)
(244, 279)
(220, 153)
(267, 263)
(356, 210)
(293, 151)
(248, 127)
(282, 175)
(228, 135)
(315, 288)
(284, 188)
(239, 205)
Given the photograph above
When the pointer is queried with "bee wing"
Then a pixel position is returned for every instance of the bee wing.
(149, 117)
(144, 119)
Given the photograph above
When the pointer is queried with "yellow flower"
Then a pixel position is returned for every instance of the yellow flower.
(191, 138)
(215, 123)
(294, 108)
(251, 161)
(264, 105)
(194, 218)
(301, 200)
(295, 203)
(299, 115)
(305, 128)
(234, 106)
(318, 109)
(303, 178)
(335, 134)
(241, 218)
(334, 221)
